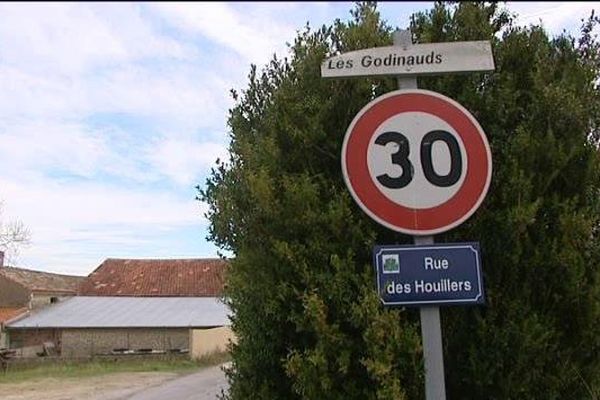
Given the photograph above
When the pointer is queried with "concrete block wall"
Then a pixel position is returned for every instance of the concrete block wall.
(87, 342)
(39, 300)
(207, 341)
(32, 337)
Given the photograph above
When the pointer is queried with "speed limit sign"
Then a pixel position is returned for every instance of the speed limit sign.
(416, 162)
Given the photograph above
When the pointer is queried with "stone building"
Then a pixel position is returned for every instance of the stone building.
(7, 314)
(86, 326)
(24, 290)
(20, 287)
(133, 305)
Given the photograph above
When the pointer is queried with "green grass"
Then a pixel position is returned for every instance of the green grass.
(82, 369)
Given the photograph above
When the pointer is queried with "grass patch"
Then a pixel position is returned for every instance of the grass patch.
(80, 369)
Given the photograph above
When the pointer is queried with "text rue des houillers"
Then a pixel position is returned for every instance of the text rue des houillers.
(420, 286)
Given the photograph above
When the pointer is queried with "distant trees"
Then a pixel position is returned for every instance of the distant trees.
(307, 315)
(13, 234)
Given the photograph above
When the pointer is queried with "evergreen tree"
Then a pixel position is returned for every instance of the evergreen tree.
(307, 315)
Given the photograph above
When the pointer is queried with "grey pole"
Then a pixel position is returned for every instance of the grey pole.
(403, 38)
(431, 331)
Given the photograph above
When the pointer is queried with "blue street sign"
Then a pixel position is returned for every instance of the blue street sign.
(435, 274)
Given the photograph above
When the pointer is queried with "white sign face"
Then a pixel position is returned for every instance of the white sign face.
(418, 59)
(420, 193)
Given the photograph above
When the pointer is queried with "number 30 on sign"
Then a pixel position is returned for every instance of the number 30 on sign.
(416, 162)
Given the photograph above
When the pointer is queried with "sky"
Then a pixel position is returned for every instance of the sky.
(112, 113)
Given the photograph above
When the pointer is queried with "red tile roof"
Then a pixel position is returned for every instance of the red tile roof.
(181, 277)
(7, 313)
(38, 281)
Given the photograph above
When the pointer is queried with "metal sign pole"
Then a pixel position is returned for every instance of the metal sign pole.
(431, 332)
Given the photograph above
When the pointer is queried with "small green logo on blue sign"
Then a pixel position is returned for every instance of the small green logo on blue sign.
(391, 264)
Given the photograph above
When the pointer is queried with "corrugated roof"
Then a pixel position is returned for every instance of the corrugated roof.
(177, 277)
(42, 281)
(129, 312)
(7, 313)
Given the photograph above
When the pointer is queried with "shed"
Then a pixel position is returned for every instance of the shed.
(90, 325)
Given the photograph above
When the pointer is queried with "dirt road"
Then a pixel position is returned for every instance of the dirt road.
(202, 385)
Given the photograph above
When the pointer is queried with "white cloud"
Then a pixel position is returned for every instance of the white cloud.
(55, 203)
(67, 220)
(555, 16)
(26, 94)
(69, 60)
(38, 33)
(182, 161)
(36, 145)
(176, 94)
(61, 64)
(255, 37)
(69, 149)
(68, 38)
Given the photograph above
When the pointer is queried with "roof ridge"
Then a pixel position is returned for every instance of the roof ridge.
(39, 272)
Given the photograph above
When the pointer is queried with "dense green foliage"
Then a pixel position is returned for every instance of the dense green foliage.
(301, 283)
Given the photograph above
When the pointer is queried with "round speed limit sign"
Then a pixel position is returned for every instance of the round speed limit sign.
(416, 162)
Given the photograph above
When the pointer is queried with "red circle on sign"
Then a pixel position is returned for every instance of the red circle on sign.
(416, 221)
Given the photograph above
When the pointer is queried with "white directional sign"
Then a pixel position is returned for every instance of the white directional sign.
(416, 162)
(418, 59)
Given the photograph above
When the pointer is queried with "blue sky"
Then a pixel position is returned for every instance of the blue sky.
(111, 113)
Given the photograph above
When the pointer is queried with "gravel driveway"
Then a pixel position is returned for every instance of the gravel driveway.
(204, 384)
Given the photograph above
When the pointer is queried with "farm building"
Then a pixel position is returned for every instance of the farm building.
(98, 325)
(23, 290)
(20, 287)
(130, 305)
(7, 314)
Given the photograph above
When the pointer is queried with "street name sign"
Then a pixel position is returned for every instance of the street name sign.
(418, 59)
(436, 274)
(416, 161)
